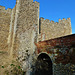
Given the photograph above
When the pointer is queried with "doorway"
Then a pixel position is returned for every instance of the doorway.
(43, 65)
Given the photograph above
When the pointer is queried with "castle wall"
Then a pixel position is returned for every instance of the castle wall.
(62, 53)
(19, 30)
(26, 27)
(5, 19)
(50, 29)
(5, 16)
(11, 32)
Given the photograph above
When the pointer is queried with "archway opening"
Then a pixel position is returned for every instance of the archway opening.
(43, 65)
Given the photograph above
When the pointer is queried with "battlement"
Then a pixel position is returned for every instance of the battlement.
(36, 4)
(51, 29)
(2, 9)
(64, 20)
(20, 29)
(47, 21)
(60, 20)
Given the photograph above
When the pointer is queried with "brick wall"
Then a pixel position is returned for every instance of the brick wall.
(62, 53)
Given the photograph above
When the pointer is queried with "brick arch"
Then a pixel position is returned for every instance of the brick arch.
(44, 61)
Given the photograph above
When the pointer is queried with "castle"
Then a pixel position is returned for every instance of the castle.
(21, 28)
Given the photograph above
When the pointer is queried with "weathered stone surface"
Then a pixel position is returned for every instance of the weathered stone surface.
(53, 30)
(20, 29)
(5, 16)
(62, 53)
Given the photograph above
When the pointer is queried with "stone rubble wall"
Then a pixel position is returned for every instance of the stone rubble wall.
(51, 29)
(20, 28)
(26, 30)
(5, 17)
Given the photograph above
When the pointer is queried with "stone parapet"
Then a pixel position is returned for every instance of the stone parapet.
(2, 9)
(55, 29)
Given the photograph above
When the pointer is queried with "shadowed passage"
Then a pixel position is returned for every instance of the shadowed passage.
(43, 65)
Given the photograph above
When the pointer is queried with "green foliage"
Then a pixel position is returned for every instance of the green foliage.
(19, 67)
(2, 66)
(13, 69)
(2, 52)
(12, 65)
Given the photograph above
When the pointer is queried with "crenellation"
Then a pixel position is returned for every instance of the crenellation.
(68, 19)
(42, 19)
(64, 19)
(53, 28)
(59, 20)
(36, 4)
(47, 20)
(56, 22)
(9, 10)
(2, 8)
(52, 21)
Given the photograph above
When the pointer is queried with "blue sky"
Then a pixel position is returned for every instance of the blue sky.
(51, 9)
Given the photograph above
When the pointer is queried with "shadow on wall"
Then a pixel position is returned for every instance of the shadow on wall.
(43, 65)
